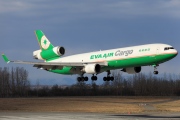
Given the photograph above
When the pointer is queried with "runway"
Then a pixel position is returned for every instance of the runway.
(85, 116)
(90, 108)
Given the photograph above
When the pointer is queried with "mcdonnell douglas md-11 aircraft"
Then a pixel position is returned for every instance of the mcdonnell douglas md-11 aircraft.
(128, 59)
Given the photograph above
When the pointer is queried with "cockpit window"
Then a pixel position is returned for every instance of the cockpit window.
(167, 48)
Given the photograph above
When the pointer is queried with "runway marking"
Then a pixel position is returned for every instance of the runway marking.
(85, 116)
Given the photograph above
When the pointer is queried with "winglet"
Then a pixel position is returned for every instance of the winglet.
(5, 58)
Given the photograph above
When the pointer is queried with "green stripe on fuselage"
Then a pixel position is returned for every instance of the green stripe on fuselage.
(138, 61)
(128, 62)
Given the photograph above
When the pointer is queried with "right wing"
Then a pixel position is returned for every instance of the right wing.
(53, 65)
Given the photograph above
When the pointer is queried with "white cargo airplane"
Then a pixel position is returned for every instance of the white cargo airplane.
(128, 59)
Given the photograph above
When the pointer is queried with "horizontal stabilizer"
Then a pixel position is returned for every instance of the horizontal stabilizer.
(5, 58)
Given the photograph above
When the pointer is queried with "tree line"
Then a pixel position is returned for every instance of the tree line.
(137, 85)
(14, 82)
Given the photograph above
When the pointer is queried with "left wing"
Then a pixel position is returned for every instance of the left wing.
(53, 65)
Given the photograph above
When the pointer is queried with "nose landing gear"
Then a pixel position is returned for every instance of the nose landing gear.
(155, 69)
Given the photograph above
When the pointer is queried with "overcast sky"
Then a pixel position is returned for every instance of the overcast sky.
(86, 25)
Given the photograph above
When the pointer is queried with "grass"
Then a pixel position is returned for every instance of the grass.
(88, 104)
(173, 106)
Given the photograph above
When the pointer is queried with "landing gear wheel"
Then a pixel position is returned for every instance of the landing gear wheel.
(105, 78)
(86, 78)
(79, 79)
(156, 72)
(111, 78)
(94, 78)
(108, 78)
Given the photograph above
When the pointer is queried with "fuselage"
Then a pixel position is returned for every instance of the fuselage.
(143, 55)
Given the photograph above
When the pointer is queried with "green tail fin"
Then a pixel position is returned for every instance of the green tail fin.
(44, 43)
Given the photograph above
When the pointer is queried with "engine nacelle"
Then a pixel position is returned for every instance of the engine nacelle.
(92, 68)
(59, 50)
(49, 54)
(37, 55)
(132, 70)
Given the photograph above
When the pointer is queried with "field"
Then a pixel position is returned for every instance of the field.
(92, 104)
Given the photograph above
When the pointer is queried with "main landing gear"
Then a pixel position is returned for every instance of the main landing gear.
(94, 78)
(155, 69)
(108, 78)
(82, 78)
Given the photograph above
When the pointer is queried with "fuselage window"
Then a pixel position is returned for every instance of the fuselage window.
(167, 48)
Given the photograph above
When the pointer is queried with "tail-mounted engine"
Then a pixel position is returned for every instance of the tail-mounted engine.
(49, 54)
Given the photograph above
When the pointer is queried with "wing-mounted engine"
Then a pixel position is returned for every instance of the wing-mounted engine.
(92, 68)
(132, 70)
(49, 54)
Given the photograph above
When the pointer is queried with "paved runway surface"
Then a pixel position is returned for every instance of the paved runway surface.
(85, 116)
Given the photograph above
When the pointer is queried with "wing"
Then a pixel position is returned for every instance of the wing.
(53, 65)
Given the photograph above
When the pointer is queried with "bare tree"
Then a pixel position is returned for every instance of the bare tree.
(118, 82)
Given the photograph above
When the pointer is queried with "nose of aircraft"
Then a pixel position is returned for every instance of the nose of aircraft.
(175, 52)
